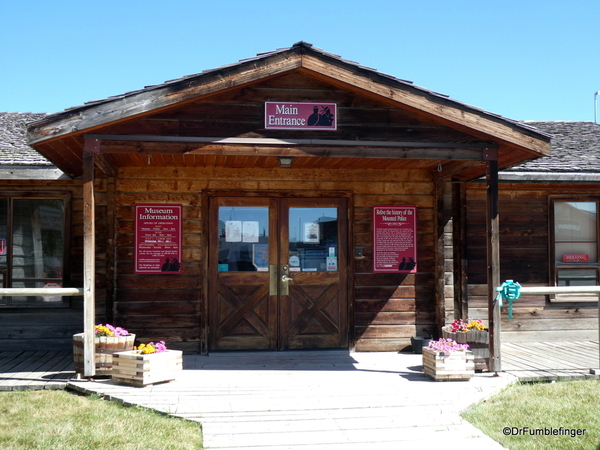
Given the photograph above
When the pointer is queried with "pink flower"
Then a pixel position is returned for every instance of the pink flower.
(447, 346)
(160, 347)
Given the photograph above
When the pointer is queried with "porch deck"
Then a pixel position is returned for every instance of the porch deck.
(550, 360)
(528, 361)
(309, 400)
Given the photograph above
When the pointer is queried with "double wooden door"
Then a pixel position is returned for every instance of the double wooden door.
(278, 271)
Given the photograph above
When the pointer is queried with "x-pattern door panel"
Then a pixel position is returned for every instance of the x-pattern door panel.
(244, 313)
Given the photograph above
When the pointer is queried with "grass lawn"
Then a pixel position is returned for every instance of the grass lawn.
(525, 416)
(40, 420)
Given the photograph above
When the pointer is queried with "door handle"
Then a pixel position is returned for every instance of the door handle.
(286, 278)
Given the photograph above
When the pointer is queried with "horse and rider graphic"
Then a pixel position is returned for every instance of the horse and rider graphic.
(323, 118)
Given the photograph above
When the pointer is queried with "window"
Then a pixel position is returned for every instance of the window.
(575, 246)
(32, 246)
(243, 239)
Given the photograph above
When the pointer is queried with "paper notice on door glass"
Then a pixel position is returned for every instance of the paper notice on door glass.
(233, 231)
(311, 233)
(250, 231)
(331, 264)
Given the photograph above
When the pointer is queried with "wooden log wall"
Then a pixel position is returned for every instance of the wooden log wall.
(524, 257)
(159, 307)
(388, 308)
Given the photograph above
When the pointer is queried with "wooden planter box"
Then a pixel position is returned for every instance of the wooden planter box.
(140, 370)
(479, 344)
(105, 347)
(445, 366)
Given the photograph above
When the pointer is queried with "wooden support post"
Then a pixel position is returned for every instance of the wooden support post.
(89, 257)
(111, 250)
(493, 263)
(459, 254)
(440, 298)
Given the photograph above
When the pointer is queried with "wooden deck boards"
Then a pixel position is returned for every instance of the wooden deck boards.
(310, 400)
(528, 361)
(33, 370)
(550, 360)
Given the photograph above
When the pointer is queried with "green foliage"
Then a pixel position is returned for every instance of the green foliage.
(572, 405)
(44, 420)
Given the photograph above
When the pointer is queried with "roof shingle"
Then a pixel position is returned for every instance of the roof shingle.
(14, 150)
(575, 147)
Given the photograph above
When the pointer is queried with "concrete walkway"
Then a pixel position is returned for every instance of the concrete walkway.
(309, 400)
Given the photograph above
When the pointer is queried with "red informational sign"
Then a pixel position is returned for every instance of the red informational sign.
(158, 238)
(395, 239)
(300, 116)
(576, 258)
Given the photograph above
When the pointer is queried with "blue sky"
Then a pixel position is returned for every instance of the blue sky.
(525, 60)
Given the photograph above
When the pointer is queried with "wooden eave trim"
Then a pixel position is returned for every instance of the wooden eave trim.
(152, 101)
(310, 152)
(446, 111)
(290, 147)
(288, 142)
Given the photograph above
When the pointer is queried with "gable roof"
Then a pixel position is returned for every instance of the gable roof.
(517, 141)
(575, 154)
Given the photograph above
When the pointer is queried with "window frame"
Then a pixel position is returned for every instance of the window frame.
(11, 196)
(555, 267)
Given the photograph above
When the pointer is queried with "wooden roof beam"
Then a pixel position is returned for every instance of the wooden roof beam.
(439, 153)
(292, 147)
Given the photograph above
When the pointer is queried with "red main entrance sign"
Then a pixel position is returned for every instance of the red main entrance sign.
(395, 239)
(300, 116)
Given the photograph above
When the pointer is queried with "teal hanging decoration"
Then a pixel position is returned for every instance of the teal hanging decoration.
(509, 291)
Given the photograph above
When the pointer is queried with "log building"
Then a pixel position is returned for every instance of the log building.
(291, 200)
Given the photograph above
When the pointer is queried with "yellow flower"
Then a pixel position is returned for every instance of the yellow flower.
(101, 330)
(145, 349)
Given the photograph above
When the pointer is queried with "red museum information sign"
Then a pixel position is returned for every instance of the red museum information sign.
(395, 239)
(158, 238)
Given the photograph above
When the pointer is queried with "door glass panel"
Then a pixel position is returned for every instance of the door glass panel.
(38, 246)
(313, 240)
(243, 239)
